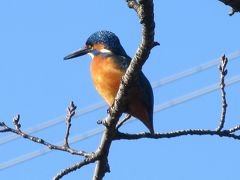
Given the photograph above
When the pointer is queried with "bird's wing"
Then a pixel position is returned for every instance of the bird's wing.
(141, 82)
(146, 92)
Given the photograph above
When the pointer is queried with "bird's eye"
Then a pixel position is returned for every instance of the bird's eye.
(89, 46)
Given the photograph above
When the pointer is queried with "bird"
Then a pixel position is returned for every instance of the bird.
(109, 63)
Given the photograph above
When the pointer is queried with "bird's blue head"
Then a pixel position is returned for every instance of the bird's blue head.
(100, 41)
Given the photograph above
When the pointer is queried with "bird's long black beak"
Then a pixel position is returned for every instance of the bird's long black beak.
(79, 52)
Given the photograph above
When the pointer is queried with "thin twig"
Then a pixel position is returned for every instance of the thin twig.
(19, 132)
(70, 113)
(234, 129)
(70, 169)
(223, 72)
(4, 127)
(133, 4)
(127, 117)
(16, 122)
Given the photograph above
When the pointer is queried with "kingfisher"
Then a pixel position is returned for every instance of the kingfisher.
(109, 64)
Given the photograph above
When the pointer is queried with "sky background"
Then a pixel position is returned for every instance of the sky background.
(39, 85)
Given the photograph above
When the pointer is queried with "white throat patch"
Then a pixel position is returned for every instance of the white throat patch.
(105, 51)
(91, 54)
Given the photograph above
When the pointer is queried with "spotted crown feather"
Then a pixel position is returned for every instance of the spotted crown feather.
(109, 40)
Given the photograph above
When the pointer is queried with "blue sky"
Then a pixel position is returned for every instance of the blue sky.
(38, 84)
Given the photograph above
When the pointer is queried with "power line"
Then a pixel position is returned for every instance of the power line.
(193, 70)
(37, 153)
(88, 134)
(164, 81)
(195, 94)
(54, 122)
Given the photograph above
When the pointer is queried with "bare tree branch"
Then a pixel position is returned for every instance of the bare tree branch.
(234, 129)
(68, 170)
(127, 117)
(144, 9)
(223, 73)
(70, 113)
(224, 133)
(4, 127)
(19, 132)
(235, 4)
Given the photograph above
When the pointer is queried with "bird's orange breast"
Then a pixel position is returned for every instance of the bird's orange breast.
(106, 75)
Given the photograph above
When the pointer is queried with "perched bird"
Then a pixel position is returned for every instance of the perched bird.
(109, 64)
